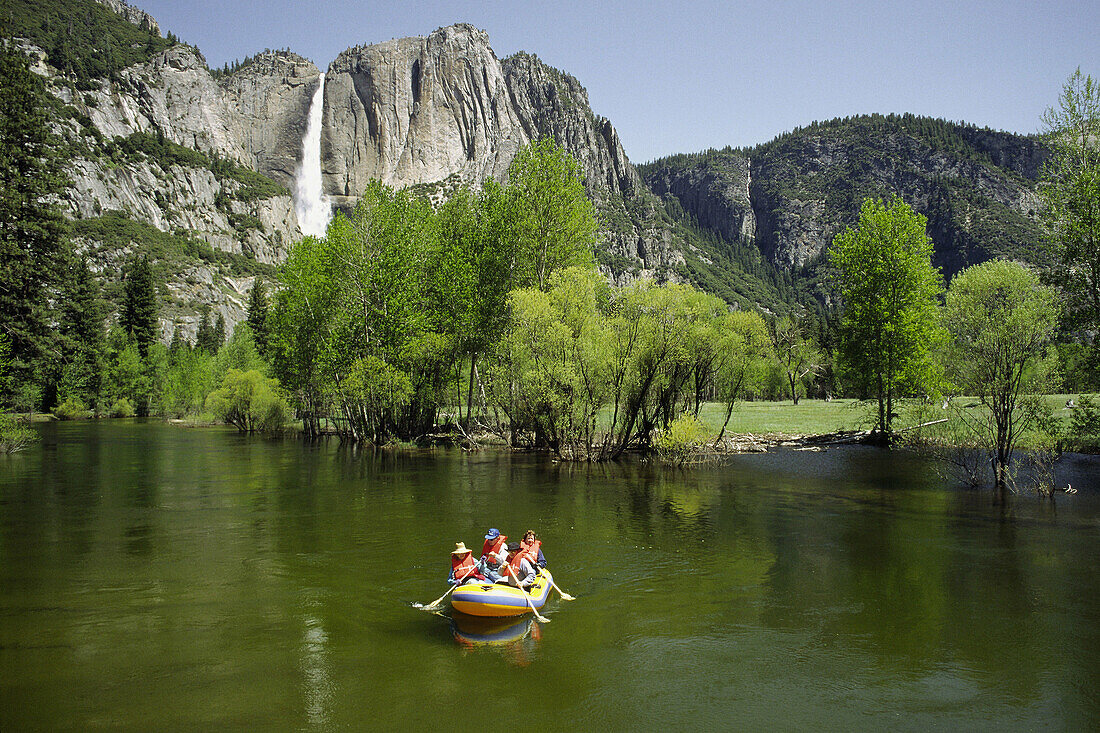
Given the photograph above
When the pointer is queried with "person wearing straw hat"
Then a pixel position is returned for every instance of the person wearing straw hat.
(463, 567)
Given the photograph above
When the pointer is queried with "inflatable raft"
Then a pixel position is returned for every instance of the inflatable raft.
(495, 599)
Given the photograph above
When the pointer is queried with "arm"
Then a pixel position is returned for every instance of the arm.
(528, 573)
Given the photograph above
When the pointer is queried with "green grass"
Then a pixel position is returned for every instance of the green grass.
(816, 417)
(808, 417)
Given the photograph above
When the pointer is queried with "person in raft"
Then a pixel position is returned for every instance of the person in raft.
(463, 567)
(533, 546)
(517, 571)
(493, 553)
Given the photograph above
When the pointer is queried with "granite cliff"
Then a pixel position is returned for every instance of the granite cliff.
(440, 111)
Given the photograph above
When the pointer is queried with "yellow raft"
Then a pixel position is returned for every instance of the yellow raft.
(497, 600)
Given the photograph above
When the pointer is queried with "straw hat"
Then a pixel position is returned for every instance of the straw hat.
(461, 549)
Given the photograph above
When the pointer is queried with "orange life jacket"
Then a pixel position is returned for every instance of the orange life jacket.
(493, 545)
(514, 564)
(531, 550)
(464, 568)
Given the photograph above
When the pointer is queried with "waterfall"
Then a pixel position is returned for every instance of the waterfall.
(311, 204)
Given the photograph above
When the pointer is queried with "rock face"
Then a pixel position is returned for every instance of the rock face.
(417, 110)
(174, 94)
(791, 196)
(270, 99)
(444, 110)
(252, 118)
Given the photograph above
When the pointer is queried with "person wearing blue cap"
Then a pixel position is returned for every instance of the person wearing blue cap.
(493, 552)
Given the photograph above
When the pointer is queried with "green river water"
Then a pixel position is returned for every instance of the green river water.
(156, 578)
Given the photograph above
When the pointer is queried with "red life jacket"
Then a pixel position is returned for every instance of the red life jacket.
(464, 568)
(494, 545)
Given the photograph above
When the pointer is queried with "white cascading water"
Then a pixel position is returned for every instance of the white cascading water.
(311, 205)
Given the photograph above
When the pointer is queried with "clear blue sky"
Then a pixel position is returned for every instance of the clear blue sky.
(681, 77)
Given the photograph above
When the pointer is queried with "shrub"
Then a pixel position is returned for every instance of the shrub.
(685, 437)
(72, 408)
(250, 401)
(13, 435)
(122, 408)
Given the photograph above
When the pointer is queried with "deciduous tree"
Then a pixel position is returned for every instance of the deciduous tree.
(888, 290)
(1071, 191)
(1001, 321)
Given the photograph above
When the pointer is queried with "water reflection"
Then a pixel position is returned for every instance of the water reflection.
(517, 637)
(316, 675)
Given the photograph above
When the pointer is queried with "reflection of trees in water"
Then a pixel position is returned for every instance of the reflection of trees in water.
(919, 579)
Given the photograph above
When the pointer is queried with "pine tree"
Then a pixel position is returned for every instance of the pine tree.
(81, 324)
(31, 229)
(204, 337)
(139, 305)
(257, 315)
(218, 333)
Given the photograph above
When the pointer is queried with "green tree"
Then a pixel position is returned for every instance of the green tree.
(888, 288)
(472, 272)
(300, 331)
(218, 335)
(81, 326)
(31, 229)
(250, 401)
(257, 314)
(744, 346)
(555, 222)
(204, 333)
(139, 305)
(1001, 321)
(1071, 191)
(795, 353)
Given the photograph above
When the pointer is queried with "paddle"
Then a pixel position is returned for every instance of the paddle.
(435, 604)
(526, 597)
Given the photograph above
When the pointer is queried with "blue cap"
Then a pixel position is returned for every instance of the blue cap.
(492, 534)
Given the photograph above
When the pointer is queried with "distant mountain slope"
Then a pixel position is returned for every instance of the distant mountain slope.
(791, 196)
(165, 161)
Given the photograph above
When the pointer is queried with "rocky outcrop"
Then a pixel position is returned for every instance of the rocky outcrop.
(174, 95)
(444, 110)
(417, 110)
(135, 15)
(270, 99)
(793, 195)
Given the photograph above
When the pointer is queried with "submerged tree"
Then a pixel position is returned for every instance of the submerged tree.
(1001, 322)
(888, 289)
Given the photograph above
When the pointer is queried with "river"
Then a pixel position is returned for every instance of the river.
(156, 577)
